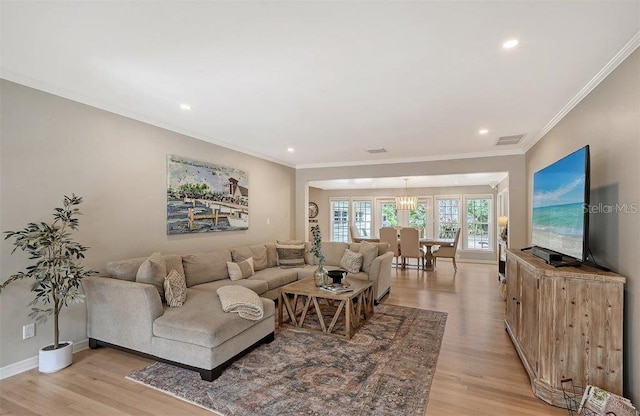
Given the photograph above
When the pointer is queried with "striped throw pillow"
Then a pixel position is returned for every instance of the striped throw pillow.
(290, 255)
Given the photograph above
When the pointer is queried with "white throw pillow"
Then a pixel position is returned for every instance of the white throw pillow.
(351, 261)
(241, 270)
(175, 289)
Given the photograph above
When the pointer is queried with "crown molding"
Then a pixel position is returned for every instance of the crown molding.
(511, 152)
(74, 96)
(617, 59)
(71, 95)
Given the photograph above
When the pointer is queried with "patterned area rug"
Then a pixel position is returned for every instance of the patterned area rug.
(385, 369)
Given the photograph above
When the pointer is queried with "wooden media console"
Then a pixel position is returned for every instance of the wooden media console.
(565, 323)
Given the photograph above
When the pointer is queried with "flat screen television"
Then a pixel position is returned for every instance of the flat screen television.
(560, 220)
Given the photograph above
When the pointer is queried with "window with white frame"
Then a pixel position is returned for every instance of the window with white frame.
(448, 216)
(418, 218)
(340, 220)
(387, 214)
(478, 235)
(363, 217)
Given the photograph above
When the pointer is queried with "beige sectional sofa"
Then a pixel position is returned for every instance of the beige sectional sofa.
(199, 335)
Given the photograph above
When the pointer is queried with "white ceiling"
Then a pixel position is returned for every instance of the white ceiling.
(329, 79)
(432, 181)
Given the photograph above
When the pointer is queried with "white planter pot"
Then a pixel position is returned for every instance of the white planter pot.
(50, 361)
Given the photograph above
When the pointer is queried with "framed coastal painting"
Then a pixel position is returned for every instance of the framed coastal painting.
(204, 197)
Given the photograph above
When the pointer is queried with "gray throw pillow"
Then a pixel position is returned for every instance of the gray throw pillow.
(290, 242)
(153, 271)
(369, 253)
(290, 255)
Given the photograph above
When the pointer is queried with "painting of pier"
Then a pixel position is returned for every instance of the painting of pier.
(203, 197)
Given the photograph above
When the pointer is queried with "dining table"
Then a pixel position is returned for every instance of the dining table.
(428, 243)
(367, 239)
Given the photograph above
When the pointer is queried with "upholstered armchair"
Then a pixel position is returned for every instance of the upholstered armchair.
(448, 251)
(410, 246)
(390, 235)
(354, 234)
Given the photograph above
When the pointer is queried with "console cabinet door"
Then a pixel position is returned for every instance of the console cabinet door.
(513, 291)
(588, 345)
(529, 319)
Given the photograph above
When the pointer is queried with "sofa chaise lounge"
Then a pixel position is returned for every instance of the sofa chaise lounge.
(199, 335)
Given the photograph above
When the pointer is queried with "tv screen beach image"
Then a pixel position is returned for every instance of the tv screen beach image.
(558, 205)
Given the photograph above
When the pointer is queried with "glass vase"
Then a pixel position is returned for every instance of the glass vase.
(320, 276)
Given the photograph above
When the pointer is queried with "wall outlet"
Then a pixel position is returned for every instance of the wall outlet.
(29, 331)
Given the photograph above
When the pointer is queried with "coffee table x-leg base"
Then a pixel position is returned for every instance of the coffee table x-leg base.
(355, 315)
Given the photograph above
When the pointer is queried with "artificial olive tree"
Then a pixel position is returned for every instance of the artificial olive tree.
(57, 271)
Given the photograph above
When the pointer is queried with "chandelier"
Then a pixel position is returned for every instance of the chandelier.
(406, 202)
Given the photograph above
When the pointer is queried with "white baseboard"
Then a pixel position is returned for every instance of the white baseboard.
(31, 363)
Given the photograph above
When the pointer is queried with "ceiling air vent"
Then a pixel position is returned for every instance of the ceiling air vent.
(373, 151)
(505, 140)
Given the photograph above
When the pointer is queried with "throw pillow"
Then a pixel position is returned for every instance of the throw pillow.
(241, 270)
(290, 255)
(153, 271)
(369, 253)
(289, 242)
(175, 289)
(351, 261)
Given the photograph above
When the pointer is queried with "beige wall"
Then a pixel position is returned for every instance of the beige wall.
(52, 146)
(608, 120)
(322, 198)
(513, 165)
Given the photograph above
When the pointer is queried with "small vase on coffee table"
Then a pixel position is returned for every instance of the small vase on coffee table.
(320, 276)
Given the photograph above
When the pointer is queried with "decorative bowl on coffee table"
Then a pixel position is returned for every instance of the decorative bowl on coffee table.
(337, 275)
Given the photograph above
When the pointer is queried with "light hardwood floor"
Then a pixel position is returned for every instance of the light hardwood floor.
(478, 371)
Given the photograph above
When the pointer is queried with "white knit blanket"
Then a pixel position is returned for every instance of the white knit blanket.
(245, 302)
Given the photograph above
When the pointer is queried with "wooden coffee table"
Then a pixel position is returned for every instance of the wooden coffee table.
(297, 298)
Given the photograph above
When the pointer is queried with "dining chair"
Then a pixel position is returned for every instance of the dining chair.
(390, 235)
(354, 234)
(448, 251)
(410, 244)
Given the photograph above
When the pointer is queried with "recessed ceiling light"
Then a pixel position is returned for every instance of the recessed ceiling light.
(290, 149)
(511, 43)
(185, 107)
(483, 131)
